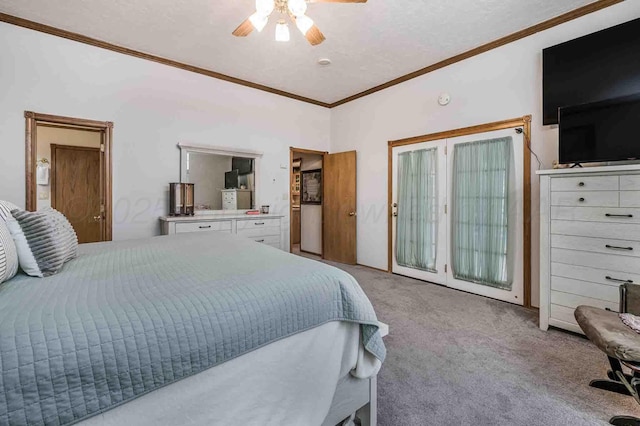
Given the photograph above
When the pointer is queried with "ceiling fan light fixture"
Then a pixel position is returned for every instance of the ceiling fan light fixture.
(282, 31)
(297, 7)
(264, 7)
(258, 21)
(304, 24)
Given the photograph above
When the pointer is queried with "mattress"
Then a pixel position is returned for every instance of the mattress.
(128, 318)
(288, 382)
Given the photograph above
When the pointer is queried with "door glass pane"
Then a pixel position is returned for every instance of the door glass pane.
(481, 219)
(416, 232)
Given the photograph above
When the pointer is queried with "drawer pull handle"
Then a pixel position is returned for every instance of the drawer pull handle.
(259, 223)
(618, 215)
(581, 184)
(618, 280)
(204, 227)
(259, 241)
(581, 200)
(618, 247)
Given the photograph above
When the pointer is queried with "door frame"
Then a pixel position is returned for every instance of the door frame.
(292, 152)
(525, 124)
(32, 121)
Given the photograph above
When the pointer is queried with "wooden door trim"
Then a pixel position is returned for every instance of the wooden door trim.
(525, 123)
(32, 121)
(292, 152)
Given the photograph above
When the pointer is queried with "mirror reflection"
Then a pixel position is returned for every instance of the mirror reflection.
(221, 182)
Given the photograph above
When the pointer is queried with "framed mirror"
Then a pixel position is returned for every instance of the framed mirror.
(225, 181)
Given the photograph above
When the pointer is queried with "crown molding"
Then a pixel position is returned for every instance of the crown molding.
(558, 20)
(14, 20)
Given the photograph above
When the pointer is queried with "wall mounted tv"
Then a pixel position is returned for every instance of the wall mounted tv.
(600, 131)
(592, 68)
(244, 166)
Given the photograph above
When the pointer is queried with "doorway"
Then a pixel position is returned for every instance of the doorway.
(306, 202)
(68, 163)
(323, 204)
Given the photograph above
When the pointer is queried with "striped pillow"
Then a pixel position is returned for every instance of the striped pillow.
(6, 208)
(8, 254)
(42, 242)
(68, 237)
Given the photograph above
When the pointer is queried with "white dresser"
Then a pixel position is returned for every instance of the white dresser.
(264, 228)
(589, 239)
(236, 199)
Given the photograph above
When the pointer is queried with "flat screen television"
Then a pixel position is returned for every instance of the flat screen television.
(231, 180)
(600, 131)
(599, 66)
(244, 166)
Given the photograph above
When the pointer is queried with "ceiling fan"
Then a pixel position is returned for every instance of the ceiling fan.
(295, 10)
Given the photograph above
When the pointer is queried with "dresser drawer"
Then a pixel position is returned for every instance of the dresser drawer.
(574, 300)
(271, 240)
(597, 214)
(630, 183)
(565, 316)
(616, 264)
(629, 198)
(585, 198)
(258, 222)
(593, 275)
(608, 293)
(597, 245)
(585, 183)
(217, 226)
(617, 231)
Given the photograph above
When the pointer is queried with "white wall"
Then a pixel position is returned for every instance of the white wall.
(153, 107)
(207, 171)
(501, 84)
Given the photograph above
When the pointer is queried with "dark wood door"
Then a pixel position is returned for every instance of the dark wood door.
(339, 207)
(75, 189)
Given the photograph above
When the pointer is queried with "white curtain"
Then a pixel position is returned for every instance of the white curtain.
(481, 212)
(416, 235)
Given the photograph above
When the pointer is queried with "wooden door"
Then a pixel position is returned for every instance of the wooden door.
(75, 189)
(339, 207)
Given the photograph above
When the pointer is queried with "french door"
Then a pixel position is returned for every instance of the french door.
(419, 233)
(458, 213)
(485, 215)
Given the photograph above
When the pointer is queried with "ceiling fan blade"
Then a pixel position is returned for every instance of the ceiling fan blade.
(337, 1)
(243, 29)
(314, 36)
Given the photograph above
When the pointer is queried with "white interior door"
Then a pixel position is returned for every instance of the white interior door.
(419, 199)
(467, 265)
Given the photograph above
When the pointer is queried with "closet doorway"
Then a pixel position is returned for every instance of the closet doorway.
(307, 201)
(68, 168)
(459, 205)
(323, 204)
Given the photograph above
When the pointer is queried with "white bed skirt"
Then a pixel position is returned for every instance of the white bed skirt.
(288, 382)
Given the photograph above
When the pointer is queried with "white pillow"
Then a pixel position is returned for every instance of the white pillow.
(41, 244)
(8, 254)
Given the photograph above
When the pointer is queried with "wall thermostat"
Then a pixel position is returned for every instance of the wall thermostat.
(444, 99)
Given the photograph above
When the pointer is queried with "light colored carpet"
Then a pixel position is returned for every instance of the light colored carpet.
(459, 359)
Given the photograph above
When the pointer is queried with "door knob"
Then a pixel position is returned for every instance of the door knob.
(97, 218)
(352, 213)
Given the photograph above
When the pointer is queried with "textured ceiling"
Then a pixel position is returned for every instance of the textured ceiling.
(369, 44)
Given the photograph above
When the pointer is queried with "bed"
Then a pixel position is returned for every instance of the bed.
(187, 329)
